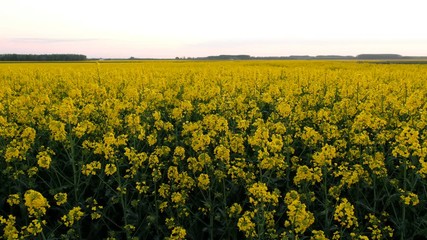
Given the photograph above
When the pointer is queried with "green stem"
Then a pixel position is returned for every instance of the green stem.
(71, 155)
(375, 194)
(211, 215)
(123, 202)
(326, 201)
(404, 206)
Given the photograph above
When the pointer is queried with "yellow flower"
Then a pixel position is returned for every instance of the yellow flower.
(43, 158)
(203, 181)
(129, 228)
(60, 198)
(298, 217)
(284, 109)
(82, 128)
(246, 225)
(152, 139)
(179, 152)
(310, 137)
(178, 233)
(28, 135)
(72, 216)
(110, 169)
(259, 194)
(90, 169)
(406, 143)
(141, 187)
(378, 231)
(304, 173)
(13, 199)
(200, 141)
(410, 198)
(95, 208)
(325, 156)
(178, 198)
(57, 129)
(344, 214)
(34, 228)
(222, 153)
(234, 210)
(318, 235)
(376, 163)
(32, 171)
(164, 190)
(9, 231)
(35, 203)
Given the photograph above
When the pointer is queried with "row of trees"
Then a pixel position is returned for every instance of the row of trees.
(42, 57)
(305, 57)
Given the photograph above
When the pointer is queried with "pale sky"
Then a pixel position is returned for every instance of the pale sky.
(197, 28)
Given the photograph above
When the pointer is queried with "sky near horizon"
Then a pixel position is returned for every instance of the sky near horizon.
(197, 28)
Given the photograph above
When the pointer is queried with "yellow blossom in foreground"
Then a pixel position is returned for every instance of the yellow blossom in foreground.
(60, 198)
(298, 217)
(35, 203)
(259, 194)
(410, 199)
(246, 225)
(141, 187)
(90, 169)
(377, 230)
(234, 210)
(178, 233)
(318, 235)
(178, 198)
(72, 216)
(32, 171)
(9, 231)
(344, 214)
(13, 199)
(203, 181)
(306, 174)
(44, 159)
(110, 169)
(34, 228)
(57, 129)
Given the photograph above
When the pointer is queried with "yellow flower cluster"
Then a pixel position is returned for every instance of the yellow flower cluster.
(178, 233)
(344, 214)
(91, 168)
(13, 199)
(298, 217)
(60, 198)
(246, 225)
(306, 174)
(203, 181)
(259, 194)
(377, 230)
(36, 203)
(72, 216)
(44, 159)
(409, 198)
(9, 231)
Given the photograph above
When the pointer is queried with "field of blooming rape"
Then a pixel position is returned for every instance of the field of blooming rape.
(213, 150)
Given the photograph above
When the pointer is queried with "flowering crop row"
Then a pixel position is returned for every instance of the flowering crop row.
(213, 150)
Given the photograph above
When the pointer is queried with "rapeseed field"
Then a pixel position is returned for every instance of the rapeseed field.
(213, 150)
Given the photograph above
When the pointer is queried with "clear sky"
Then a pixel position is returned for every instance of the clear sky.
(195, 28)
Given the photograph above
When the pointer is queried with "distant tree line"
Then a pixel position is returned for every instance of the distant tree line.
(42, 57)
(305, 57)
(379, 56)
(229, 57)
